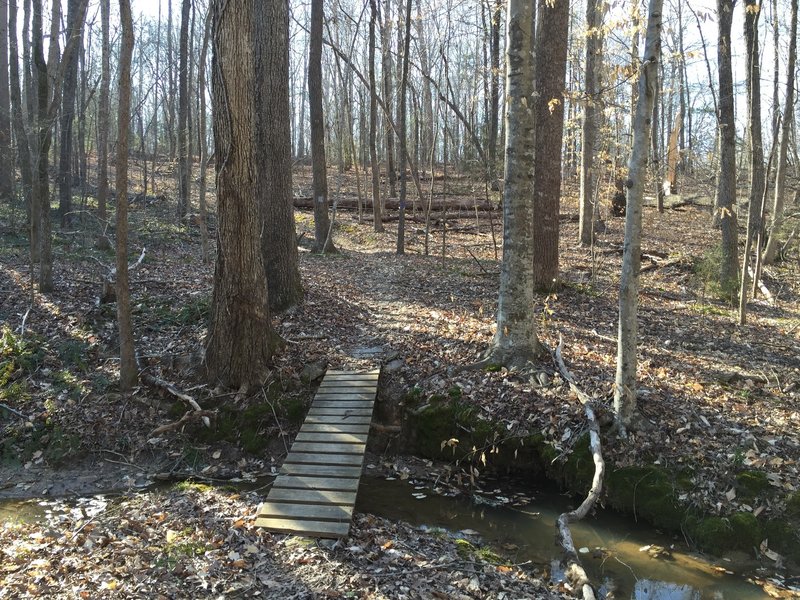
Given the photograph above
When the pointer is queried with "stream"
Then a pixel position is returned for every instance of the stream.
(623, 558)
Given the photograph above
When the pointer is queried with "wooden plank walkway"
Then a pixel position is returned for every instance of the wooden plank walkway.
(315, 491)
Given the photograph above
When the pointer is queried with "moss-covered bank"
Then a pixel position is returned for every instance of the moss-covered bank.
(444, 428)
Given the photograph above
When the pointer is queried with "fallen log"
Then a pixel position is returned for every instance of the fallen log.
(574, 569)
(394, 204)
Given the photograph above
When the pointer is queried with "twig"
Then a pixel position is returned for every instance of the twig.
(189, 416)
(166, 385)
(277, 420)
(574, 568)
(13, 412)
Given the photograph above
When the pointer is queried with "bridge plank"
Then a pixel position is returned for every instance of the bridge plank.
(320, 470)
(322, 529)
(336, 484)
(312, 458)
(348, 438)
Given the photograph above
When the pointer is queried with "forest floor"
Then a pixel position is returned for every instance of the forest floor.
(720, 398)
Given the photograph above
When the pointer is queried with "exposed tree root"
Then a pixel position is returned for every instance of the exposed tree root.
(574, 569)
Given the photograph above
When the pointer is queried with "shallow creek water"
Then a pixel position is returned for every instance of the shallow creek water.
(617, 552)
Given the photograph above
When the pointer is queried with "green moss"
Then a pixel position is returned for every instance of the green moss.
(793, 505)
(486, 554)
(751, 485)
(740, 531)
(783, 537)
(578, 469)
(464, 548)
(646, 492)
(186, 486)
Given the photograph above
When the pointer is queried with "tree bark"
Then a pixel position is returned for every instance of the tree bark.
(401, 226)
(241, 340)
(128, 373)
(550, 71)
(751, 14)
(273, 154)
(6, 160)
(770, 252)
(386, 57)
(725, 212)
(183, 111)
(516, 341)
(20, 133)
(41, 187)
(373, 124)
(589, 124)
(494, 90)
(625, 384)
(201, 90)
(103, 111)
(322, 222)
(67, 116)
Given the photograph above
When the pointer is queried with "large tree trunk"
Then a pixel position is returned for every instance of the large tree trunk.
(273, 154)
(515, 341)
(589, 125)
(427, 125)
(183, 112)
(751, 14)
(103, 112)
(6, 161)
(377, 219)
(322, 222)
(551, 69)
(241, 340)
(128, 373)
(786, 125)
(67, 116)
(725, 212)
(625, 385)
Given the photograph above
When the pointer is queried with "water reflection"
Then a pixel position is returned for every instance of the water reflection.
(632, 561)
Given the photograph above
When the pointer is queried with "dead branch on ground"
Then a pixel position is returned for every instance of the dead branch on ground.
(574, 568)
(171, 389)
(191, 415)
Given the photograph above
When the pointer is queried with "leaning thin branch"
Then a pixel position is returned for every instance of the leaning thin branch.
(574, 568)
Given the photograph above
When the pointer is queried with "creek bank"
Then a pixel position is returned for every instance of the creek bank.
(441, 427)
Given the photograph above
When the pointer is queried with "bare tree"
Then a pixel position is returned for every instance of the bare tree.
(625, 385)
(183, 112)
(770, 251)
(241, 339)
(589, 124)
(6, 162)
(377, 217)
(322, 222)
(552, 38)
(403, 134)
(726, 177)
(103, 111)
(128, 373)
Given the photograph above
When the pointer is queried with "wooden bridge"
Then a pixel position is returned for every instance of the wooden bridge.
(315, 491)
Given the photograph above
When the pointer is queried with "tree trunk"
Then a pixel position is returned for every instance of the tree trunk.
(373, 124)
(322, 222)
(201, 91)
(589, 125)
(128, 373)
(6, 156)
(515, 341)
(103, 123)
(64, 177)
(751, 14)
(273, 149)
(625, 385)
(401, 229)
(21, 135)
(494, 91)
(725, 212)
(183, 112)
(41, 187)
(386, 57)
(770, 251)
(550, 72)
(241, 340)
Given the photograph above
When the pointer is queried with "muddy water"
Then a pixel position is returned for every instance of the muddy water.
(625, 558)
